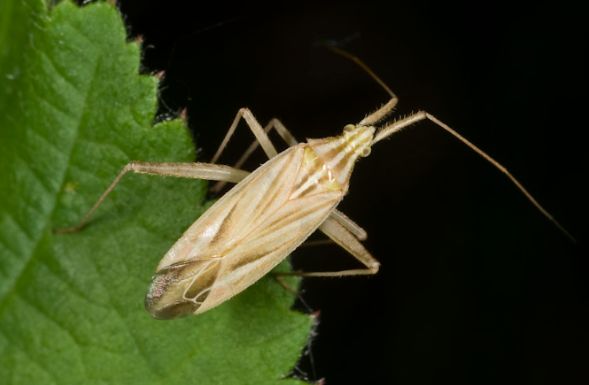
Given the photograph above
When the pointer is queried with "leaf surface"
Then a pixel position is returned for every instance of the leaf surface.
(73, 110)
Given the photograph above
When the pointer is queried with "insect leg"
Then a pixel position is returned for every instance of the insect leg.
(340, 235)
(349, 224)
(256, 128)
(273, 124)
(181, 170)
(397, 126)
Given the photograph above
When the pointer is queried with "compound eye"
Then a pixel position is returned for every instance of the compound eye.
(349, 127)
(365, 152)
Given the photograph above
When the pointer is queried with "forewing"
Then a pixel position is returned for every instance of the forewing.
(241, 237)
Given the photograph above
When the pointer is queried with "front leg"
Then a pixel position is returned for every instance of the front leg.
(256, 128)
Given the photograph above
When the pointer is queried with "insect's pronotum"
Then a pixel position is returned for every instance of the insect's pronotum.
(272, 210)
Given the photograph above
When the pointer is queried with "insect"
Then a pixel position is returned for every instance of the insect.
(273, 210)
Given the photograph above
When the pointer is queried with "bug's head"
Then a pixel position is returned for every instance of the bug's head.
(358, 139)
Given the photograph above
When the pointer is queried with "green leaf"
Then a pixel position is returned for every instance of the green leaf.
(73, 111)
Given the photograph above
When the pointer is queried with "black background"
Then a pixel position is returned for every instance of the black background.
(476, 287)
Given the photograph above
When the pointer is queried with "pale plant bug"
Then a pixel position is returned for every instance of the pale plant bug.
(274, 209)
